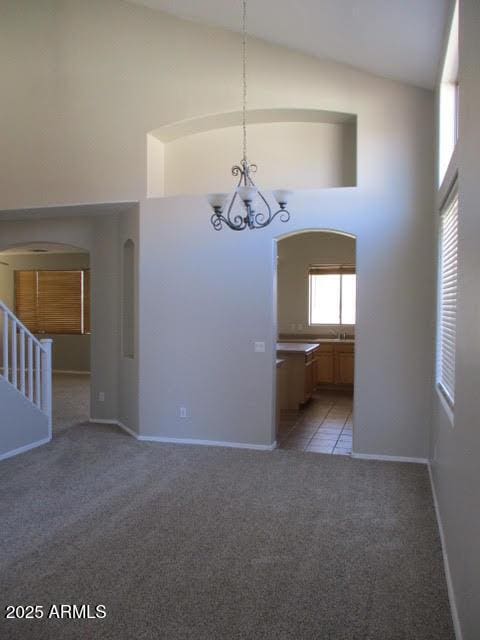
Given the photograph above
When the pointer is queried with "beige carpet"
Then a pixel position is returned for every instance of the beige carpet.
(71, 400)
(183, 542)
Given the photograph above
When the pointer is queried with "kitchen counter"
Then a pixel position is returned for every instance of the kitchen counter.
(316, 341)
(297, 347)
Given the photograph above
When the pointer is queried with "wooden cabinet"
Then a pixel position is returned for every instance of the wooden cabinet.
(344, 365)
(324, 373)
(301, 373)
(335, 363)
(310, 371)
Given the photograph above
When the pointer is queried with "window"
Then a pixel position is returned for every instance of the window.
(53, 301)
(447, 299)
(332, 295)
(449, 100)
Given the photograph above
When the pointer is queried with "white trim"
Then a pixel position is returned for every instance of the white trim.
(448, 576)
(116, 423)
(127, 429)
(71, 372)
(27, 447)
(209, 443)
(375, 456)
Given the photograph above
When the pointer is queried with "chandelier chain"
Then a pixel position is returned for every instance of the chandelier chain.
(255, 211)
(244, 72)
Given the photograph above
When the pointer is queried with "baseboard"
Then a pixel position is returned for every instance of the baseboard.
(374, 456)
(117, 423)
(71, 372)
(27, 447)
(448, 576)
(209, 443)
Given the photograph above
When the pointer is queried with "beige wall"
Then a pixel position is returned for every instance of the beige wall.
(293, 155)
(102, 236)
(456, 445)
(295, 255)
(22, 425)
(104, 74)
(69, 352)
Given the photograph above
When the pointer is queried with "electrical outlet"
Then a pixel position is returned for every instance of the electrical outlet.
(183, 412)
(101, 396)
(259, 347)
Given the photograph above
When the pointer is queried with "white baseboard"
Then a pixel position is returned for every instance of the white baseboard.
(448, 576)
(208, 443)
(72, 372)
(374, 456)
(27, 447)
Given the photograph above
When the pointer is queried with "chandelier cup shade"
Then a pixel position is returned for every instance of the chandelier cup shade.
(255, 211)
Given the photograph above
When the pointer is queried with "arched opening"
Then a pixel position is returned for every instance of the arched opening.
(315, 312)
(47, 286)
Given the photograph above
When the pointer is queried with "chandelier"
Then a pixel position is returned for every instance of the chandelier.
(246, 191)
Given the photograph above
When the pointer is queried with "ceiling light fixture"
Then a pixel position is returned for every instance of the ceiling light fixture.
(246, 190)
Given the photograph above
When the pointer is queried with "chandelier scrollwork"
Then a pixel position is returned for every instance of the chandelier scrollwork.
(246, 190)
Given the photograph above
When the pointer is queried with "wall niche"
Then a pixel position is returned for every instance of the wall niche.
(293, 148)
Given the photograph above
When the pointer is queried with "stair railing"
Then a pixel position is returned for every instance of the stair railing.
(27, 362)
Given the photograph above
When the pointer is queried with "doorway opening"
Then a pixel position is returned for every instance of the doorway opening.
(47, 286)
(315, 330)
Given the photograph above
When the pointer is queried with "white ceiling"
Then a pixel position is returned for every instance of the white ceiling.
(398, 39)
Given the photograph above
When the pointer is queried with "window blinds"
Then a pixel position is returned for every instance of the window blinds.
(447, 312)
(56, 302)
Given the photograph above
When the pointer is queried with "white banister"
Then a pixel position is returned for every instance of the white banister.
(5, 344)
(22, 361)
(38, 377)
(47, 380)
(14, 354)
(28, 367)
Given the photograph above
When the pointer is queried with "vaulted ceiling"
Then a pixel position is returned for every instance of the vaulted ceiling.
(398, 39)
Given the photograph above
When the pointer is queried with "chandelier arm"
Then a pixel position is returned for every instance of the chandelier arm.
(251, 219)
(262, 219)
(284, 217)
(218, 220)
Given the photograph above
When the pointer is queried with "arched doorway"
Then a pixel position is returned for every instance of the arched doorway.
(315, 331)
(47, 286)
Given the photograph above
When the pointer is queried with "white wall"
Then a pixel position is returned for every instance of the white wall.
(206, 296)
(69, 352)
(295, 255)
(456, 447)
(22, 425)
(289, 155)
(101, 236)
(128, 366)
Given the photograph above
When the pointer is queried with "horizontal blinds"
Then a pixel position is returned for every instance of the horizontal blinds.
(53, 301)
(329, 269)
(447, 319)
(59, 302)
(26, 299)
(86, 302)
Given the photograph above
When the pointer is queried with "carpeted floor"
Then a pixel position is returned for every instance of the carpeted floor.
(71, 400)
(202, 543)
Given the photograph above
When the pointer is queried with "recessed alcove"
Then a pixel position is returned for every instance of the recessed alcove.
(293, 148)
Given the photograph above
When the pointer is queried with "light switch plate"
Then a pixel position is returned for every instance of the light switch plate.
(259, 347)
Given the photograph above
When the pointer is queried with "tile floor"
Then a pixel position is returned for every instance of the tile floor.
(324, 425)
